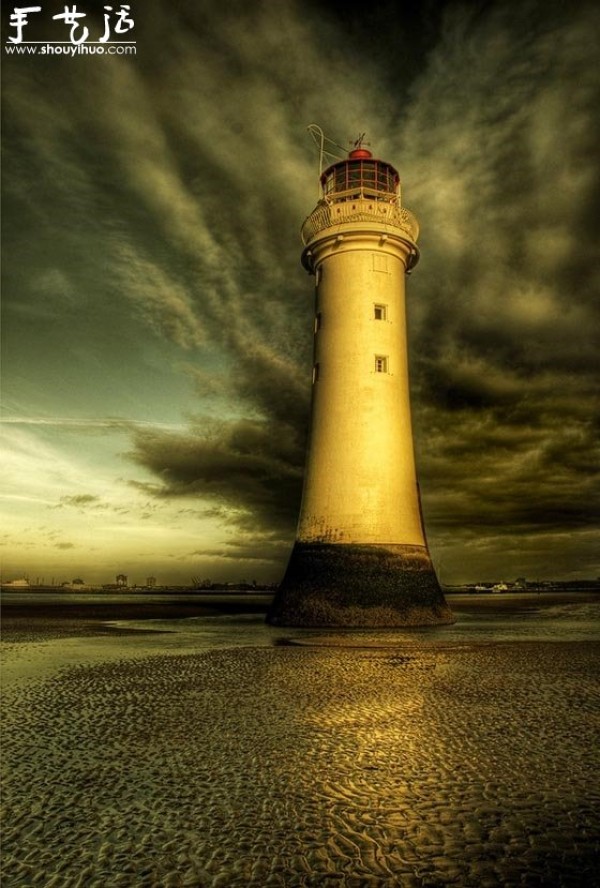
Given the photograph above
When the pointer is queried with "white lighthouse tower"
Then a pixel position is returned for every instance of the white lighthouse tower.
(360, 558)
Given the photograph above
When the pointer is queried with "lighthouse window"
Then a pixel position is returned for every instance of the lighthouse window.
(381, 364)
(380, 312)
(369, 174)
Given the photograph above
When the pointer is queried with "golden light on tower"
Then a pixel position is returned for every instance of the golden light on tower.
(360, 558)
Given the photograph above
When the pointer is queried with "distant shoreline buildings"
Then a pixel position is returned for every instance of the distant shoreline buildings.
(122, 584)
(151, 585)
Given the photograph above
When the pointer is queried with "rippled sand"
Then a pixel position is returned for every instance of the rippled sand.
(325, 765)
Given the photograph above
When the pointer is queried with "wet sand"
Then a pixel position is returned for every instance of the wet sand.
(50, 616)
(320, 763)
(46, 616)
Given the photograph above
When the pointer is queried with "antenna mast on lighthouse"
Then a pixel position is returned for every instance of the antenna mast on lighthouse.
(325, 153)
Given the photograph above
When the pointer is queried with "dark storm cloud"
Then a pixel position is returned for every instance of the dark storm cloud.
(253, 467)
(532, 488)
(256, 548)
(501, 146)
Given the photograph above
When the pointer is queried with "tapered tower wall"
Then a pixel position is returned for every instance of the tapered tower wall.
(360, 558)
(360, 482)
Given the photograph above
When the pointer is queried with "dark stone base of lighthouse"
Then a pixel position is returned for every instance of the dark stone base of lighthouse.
(359, 587)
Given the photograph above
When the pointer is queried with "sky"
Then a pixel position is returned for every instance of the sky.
(157, 323)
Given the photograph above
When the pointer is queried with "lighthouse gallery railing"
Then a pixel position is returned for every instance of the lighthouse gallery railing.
(326, 215)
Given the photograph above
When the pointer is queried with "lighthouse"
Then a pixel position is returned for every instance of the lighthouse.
(360, 558)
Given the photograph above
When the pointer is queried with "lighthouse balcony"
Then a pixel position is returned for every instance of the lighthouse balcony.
(360, 209)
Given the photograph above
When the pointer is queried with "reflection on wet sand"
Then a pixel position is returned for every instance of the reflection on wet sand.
(319, 763)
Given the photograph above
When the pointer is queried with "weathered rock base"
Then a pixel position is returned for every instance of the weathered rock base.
(359, 586)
